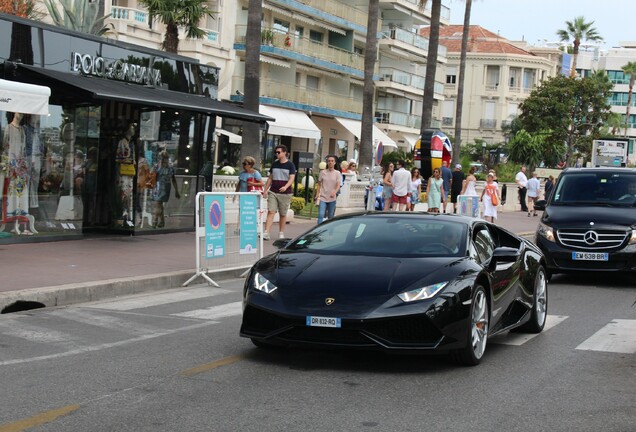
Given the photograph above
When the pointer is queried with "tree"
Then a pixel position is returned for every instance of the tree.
(527, 149)
(370, 54)
(629, 69)
(567, 110)
(79, 15)
(431, 65)
(251, 145)
(460, 84)
(578, 30)
(175, 14)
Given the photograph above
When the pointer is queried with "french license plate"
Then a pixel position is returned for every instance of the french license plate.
(590, 256)
(314, 321)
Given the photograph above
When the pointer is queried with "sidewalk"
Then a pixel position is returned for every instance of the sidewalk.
(72, 271)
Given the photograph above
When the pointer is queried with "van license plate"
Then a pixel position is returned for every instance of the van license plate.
(314, 321)
(590, 256)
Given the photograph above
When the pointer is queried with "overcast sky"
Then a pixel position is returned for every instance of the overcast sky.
(537, 20)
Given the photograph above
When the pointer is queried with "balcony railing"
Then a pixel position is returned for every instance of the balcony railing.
(296, 48)
(410, 38)
(398, 118)
(290, 92)
(340, 10)
(488, 123)
(131, 15)
(444, 14)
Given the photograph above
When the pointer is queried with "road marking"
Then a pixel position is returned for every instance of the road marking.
(148, 300)
(99, 347)
(105, 321)
(38, 419)
(521, 338)
(214, 312)
(17, 328)
(618, 336)
(213, 365)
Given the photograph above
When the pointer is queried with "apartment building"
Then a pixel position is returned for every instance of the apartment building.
(312, 69)
(499, 76)
(612, 61)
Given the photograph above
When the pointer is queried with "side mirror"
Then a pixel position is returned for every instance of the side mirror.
(281, 243)
(505, 254)
(540, 205)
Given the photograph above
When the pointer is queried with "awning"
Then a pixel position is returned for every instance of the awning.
(290, 123)
(275, 62)
(411, 139)
(234, 138)
(24, 98)
(355, 127)
(64, 84)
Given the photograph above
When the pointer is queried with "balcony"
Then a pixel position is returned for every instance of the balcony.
(332, 7)
(414, 6)
(311, 99)
(488, 124)
(398, 118)
(305, 50)
(408, 44)
(130, 15)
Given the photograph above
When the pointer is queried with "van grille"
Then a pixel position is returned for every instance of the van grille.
(591, 239)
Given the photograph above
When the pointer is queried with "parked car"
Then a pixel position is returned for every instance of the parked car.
(397, 282)
(589, 222)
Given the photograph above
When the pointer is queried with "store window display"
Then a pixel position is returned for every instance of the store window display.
(165, 178)
(126, 169)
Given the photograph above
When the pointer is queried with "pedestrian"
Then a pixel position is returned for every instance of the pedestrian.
(490, 197)
(522, 183)
(533, 187)
(353, 169)
(435, 191)
(329, 181)
(447, 176)
(416, 187)
(457, 184)
(401, 181)
(249, 179)
(469, 185)
(387, 186)
(278, 190)
(549, 184)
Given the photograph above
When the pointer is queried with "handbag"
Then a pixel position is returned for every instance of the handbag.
(494, 198)
(251, 187)
(127, 169)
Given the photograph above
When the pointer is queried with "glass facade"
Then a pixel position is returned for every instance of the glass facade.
(98, 165)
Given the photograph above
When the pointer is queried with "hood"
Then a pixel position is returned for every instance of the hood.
(357, 283)
(581, 216)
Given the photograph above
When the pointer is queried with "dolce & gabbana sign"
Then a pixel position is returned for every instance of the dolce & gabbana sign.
(117, 69)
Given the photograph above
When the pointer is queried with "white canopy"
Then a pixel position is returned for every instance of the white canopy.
(234, 138)
(355, 127)
(290, 123)
(24, 98)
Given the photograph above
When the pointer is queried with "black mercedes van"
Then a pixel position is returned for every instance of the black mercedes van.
(589, 221)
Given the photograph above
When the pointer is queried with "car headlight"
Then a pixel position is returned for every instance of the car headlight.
(546, 231)
(422, 293)
(264, 285)
(633, 239)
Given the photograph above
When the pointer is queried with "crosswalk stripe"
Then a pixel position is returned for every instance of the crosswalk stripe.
(214, 312)
(521, 338)
(106, 321)
(32, 333)
(618, 336)
(148, 300)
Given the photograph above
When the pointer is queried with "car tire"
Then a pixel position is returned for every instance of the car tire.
(478, 326)
(539, 305)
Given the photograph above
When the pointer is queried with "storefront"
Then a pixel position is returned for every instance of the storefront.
(127, 132)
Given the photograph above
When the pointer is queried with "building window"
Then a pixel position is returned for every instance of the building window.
(298, 33)
(451, 75)
(358, 50)
(529, 78)
(492, 77)
(313, 82)
(316, 36)
(515, 78)
(281, 26)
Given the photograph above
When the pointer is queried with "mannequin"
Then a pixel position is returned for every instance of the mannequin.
(35, 151)
(15, 169)
(126, 170)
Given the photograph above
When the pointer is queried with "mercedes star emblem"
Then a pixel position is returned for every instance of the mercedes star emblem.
(329, 301)
(590, 237)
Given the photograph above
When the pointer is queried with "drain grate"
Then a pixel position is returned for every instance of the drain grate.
(22, 305)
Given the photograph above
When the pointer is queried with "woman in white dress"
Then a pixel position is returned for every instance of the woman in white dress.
(488, 195)
(470, 183)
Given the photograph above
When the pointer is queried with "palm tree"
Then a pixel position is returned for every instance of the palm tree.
(578, 30)
(251, 145)
(431, 65)
(175, 14)
(629, 69)
(460, 84)
(370, 53)
(79, 15)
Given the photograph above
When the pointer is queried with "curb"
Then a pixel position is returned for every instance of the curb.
(63, 295)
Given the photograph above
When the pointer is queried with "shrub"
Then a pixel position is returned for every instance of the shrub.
(297, 204)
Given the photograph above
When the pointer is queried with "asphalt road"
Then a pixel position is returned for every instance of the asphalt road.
(173, 361)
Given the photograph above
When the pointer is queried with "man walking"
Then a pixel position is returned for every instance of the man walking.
(400, 180)
(457, 182)
(281, 177)
(522, 183)
(447, 176)
(533, 192)
(327, 189)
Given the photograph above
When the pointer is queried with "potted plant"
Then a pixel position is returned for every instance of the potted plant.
(267, 36)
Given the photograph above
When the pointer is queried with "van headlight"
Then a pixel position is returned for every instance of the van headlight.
(547, 232)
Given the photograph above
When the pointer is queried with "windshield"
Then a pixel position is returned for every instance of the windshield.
(386, 236)
(597, 188)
